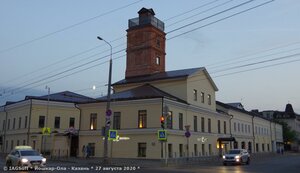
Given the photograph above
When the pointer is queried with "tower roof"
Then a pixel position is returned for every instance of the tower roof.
(146, 10)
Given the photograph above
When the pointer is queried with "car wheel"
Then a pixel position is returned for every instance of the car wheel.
(248, 161)
(242, 161)
(225, 164)
(8, 163)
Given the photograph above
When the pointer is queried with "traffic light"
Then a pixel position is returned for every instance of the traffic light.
(162, 122)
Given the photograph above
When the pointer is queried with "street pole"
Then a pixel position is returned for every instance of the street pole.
(230, 129)
(108, 111)
(47, 112)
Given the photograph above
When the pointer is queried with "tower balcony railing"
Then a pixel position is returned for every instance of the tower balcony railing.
(140, 21)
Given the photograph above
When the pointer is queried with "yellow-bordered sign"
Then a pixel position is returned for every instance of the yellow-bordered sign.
(162, 135)
(46, 130)
(112, 134)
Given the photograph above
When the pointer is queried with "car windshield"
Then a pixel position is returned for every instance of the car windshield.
(29, 153)
(234, 152)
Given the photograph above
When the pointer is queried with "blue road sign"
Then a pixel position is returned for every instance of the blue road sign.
(112, 134)
(162, 135)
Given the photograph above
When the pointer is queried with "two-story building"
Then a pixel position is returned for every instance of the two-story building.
(140, 98)
(22, 123)
(252, 131)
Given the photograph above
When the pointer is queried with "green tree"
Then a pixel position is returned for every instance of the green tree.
(288, 134)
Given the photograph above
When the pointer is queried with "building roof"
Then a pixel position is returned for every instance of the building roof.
(146, 10)
(287, 114)
(65, 96)
(184, 73)
(227, 106)
(142, 92)
(237, 105)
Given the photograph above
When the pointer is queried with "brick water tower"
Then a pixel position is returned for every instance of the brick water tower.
(145, 45)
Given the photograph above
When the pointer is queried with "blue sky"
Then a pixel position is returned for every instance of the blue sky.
(39, 39)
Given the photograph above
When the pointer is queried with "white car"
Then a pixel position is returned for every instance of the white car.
(25, 156)
(236, 156)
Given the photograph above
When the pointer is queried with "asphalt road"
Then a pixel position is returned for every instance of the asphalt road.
(280, 164)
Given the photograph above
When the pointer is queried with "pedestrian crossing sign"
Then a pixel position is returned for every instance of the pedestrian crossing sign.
(46, 130)
(112, 134)
(162, 135)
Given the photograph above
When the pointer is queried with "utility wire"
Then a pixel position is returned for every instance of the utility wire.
(199, 13)
(65, 71)
(80, 53)
(260, 62)
(197, 21)
(59, 68)
(57, 62)
(96, 65)
(272, 65)
(67, 28)
(216, 64)
(186, 12)
(220, 19)
(125, 49)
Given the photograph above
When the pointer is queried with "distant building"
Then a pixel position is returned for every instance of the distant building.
(250, 130)
(291, 118)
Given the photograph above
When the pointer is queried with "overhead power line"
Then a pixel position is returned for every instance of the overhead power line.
(23, 89)
(266, 66)
(259, 62)
(187, 18)
(216, 65)
(197, 21)
(85, 51)
(221, 19)
(65, 71)
(186, 12)
(67, 28)
(118, 51)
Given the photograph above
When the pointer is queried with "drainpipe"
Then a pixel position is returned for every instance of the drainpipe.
(271, 136)
(231, 116)
(29, 121)
(5, 128)
(80, 112)
(253, 146)
(161, 143)
(275, 124)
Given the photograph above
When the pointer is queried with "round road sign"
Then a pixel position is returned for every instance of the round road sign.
(108, 113)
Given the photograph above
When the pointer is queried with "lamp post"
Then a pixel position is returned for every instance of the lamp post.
(46, 123)
(108, 111)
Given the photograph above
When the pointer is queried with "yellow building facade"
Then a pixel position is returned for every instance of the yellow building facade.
(22, 123)
(196, 125)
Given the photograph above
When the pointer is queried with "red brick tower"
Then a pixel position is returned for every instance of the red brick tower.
(145, 45)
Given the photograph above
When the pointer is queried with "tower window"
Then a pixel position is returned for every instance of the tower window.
(157, 60)
(157, 42)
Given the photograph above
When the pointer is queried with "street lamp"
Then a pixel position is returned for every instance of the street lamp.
(108, 111)
(46, 123)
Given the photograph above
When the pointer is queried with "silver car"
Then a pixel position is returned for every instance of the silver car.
(236, 156)
(25, 156)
